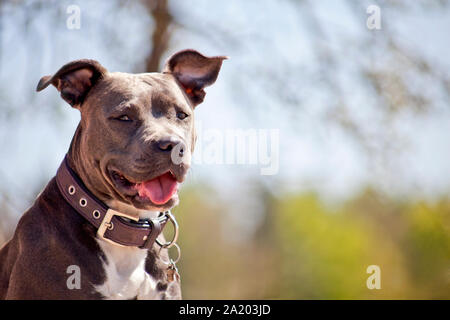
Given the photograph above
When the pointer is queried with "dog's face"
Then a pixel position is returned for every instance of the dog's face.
(143, 123)
(137, 132)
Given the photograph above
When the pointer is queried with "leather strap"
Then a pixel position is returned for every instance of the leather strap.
(110, 224)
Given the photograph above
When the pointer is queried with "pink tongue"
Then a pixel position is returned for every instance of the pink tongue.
(158, 190)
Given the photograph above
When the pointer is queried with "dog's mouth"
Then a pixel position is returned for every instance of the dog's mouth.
(158, 190)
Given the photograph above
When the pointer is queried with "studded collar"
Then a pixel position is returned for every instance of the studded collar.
(112, 226)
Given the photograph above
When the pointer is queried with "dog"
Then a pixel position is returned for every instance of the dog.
(94, 232)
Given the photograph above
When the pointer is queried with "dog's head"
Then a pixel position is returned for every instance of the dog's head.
(136, 134)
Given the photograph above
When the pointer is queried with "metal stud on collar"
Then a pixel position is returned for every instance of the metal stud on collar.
(83, 202)
(96, 214)
(71, 190)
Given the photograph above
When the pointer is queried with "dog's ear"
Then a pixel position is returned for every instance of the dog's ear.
(194, 72)
(74, 80)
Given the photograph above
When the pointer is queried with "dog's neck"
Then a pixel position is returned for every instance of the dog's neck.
(98, 188)
(128, 209)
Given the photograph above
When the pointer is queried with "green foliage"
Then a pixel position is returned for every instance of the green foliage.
(427, 245)
(312, 250)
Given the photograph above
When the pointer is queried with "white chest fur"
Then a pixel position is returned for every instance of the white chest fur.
(126, 277)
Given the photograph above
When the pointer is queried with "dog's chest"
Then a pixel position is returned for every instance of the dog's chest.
(125, 273)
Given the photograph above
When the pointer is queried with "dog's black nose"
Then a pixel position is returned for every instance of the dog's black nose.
(167, 144)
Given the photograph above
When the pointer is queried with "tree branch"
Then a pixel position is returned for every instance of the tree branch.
(159, 11)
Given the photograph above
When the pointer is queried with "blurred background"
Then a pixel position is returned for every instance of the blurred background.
(364, 135)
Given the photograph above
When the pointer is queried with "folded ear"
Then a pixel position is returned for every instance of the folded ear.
(194, 72)
(74, 80)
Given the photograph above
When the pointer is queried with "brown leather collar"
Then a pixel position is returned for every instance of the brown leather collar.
(109, 223)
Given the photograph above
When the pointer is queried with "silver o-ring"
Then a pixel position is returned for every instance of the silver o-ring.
(169, 244)
(83, 202)
(71, 190)
(96, 214)
(171, 261)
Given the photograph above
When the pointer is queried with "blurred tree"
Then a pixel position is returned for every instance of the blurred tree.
(311, 250)
(159, 10)
(383, 67)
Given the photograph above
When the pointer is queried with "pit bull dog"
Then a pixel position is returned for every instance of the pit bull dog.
(94, 232)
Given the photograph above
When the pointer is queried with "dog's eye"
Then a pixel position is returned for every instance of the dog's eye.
(182, 115)
(124, 118)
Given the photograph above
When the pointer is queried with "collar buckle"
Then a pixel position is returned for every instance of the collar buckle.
(108, 224)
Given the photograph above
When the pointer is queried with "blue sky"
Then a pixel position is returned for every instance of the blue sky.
(313, 154)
